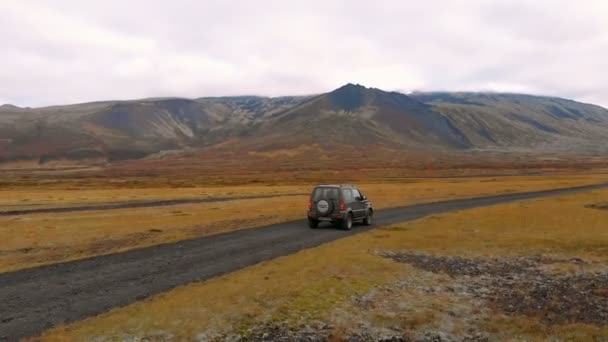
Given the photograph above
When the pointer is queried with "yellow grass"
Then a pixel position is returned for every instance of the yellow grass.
(414, 190)
(319, 283)
(23, 198)
(38, 239)
(46, 238)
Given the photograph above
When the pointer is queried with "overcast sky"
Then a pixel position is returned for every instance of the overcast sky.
(57, 52)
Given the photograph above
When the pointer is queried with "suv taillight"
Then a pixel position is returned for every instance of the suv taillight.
(342, 205)
(310, 204)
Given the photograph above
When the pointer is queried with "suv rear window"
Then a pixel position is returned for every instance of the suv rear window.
(325, 193)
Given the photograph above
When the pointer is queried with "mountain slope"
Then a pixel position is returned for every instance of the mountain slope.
(355, 115)
(128, 129)
(342, 120)
(523, 122)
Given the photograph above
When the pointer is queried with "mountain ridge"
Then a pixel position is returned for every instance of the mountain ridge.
(414, 94)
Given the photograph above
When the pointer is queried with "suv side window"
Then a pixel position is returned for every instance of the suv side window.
(356, 194)
(347, 195)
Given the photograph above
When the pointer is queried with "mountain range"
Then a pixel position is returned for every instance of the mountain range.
(352, 116)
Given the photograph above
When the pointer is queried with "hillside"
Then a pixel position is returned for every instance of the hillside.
(516, 122)
(355, 115)
(341, 120)
(118, 130)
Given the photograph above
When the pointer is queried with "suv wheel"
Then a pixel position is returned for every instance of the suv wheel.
(347, 223)
(368, 219)
(313, 223)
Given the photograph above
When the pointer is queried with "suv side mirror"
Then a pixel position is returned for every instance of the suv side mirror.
(364, 198)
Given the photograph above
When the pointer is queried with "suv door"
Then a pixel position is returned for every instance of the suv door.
(348, 198)
(358, 205)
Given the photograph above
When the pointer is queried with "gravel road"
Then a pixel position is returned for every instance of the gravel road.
(37, 299)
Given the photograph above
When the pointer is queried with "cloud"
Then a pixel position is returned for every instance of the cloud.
(73, 51)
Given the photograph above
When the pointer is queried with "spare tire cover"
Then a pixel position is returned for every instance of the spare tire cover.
(324, 207)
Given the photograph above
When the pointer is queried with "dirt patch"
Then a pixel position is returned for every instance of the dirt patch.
(283, 332)
(600, 206)
(319, 331)
(521, 286)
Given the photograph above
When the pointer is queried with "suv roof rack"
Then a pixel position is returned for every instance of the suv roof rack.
(338, 185)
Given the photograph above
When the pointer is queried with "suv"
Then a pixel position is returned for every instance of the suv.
(340, 204)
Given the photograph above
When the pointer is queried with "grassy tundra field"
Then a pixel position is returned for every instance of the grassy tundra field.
(43, 238)
(492, 272)
(528, 270)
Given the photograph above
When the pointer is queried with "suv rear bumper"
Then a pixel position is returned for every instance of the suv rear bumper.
(331, 218)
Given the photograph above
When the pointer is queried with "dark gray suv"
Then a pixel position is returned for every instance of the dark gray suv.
(340, 204)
